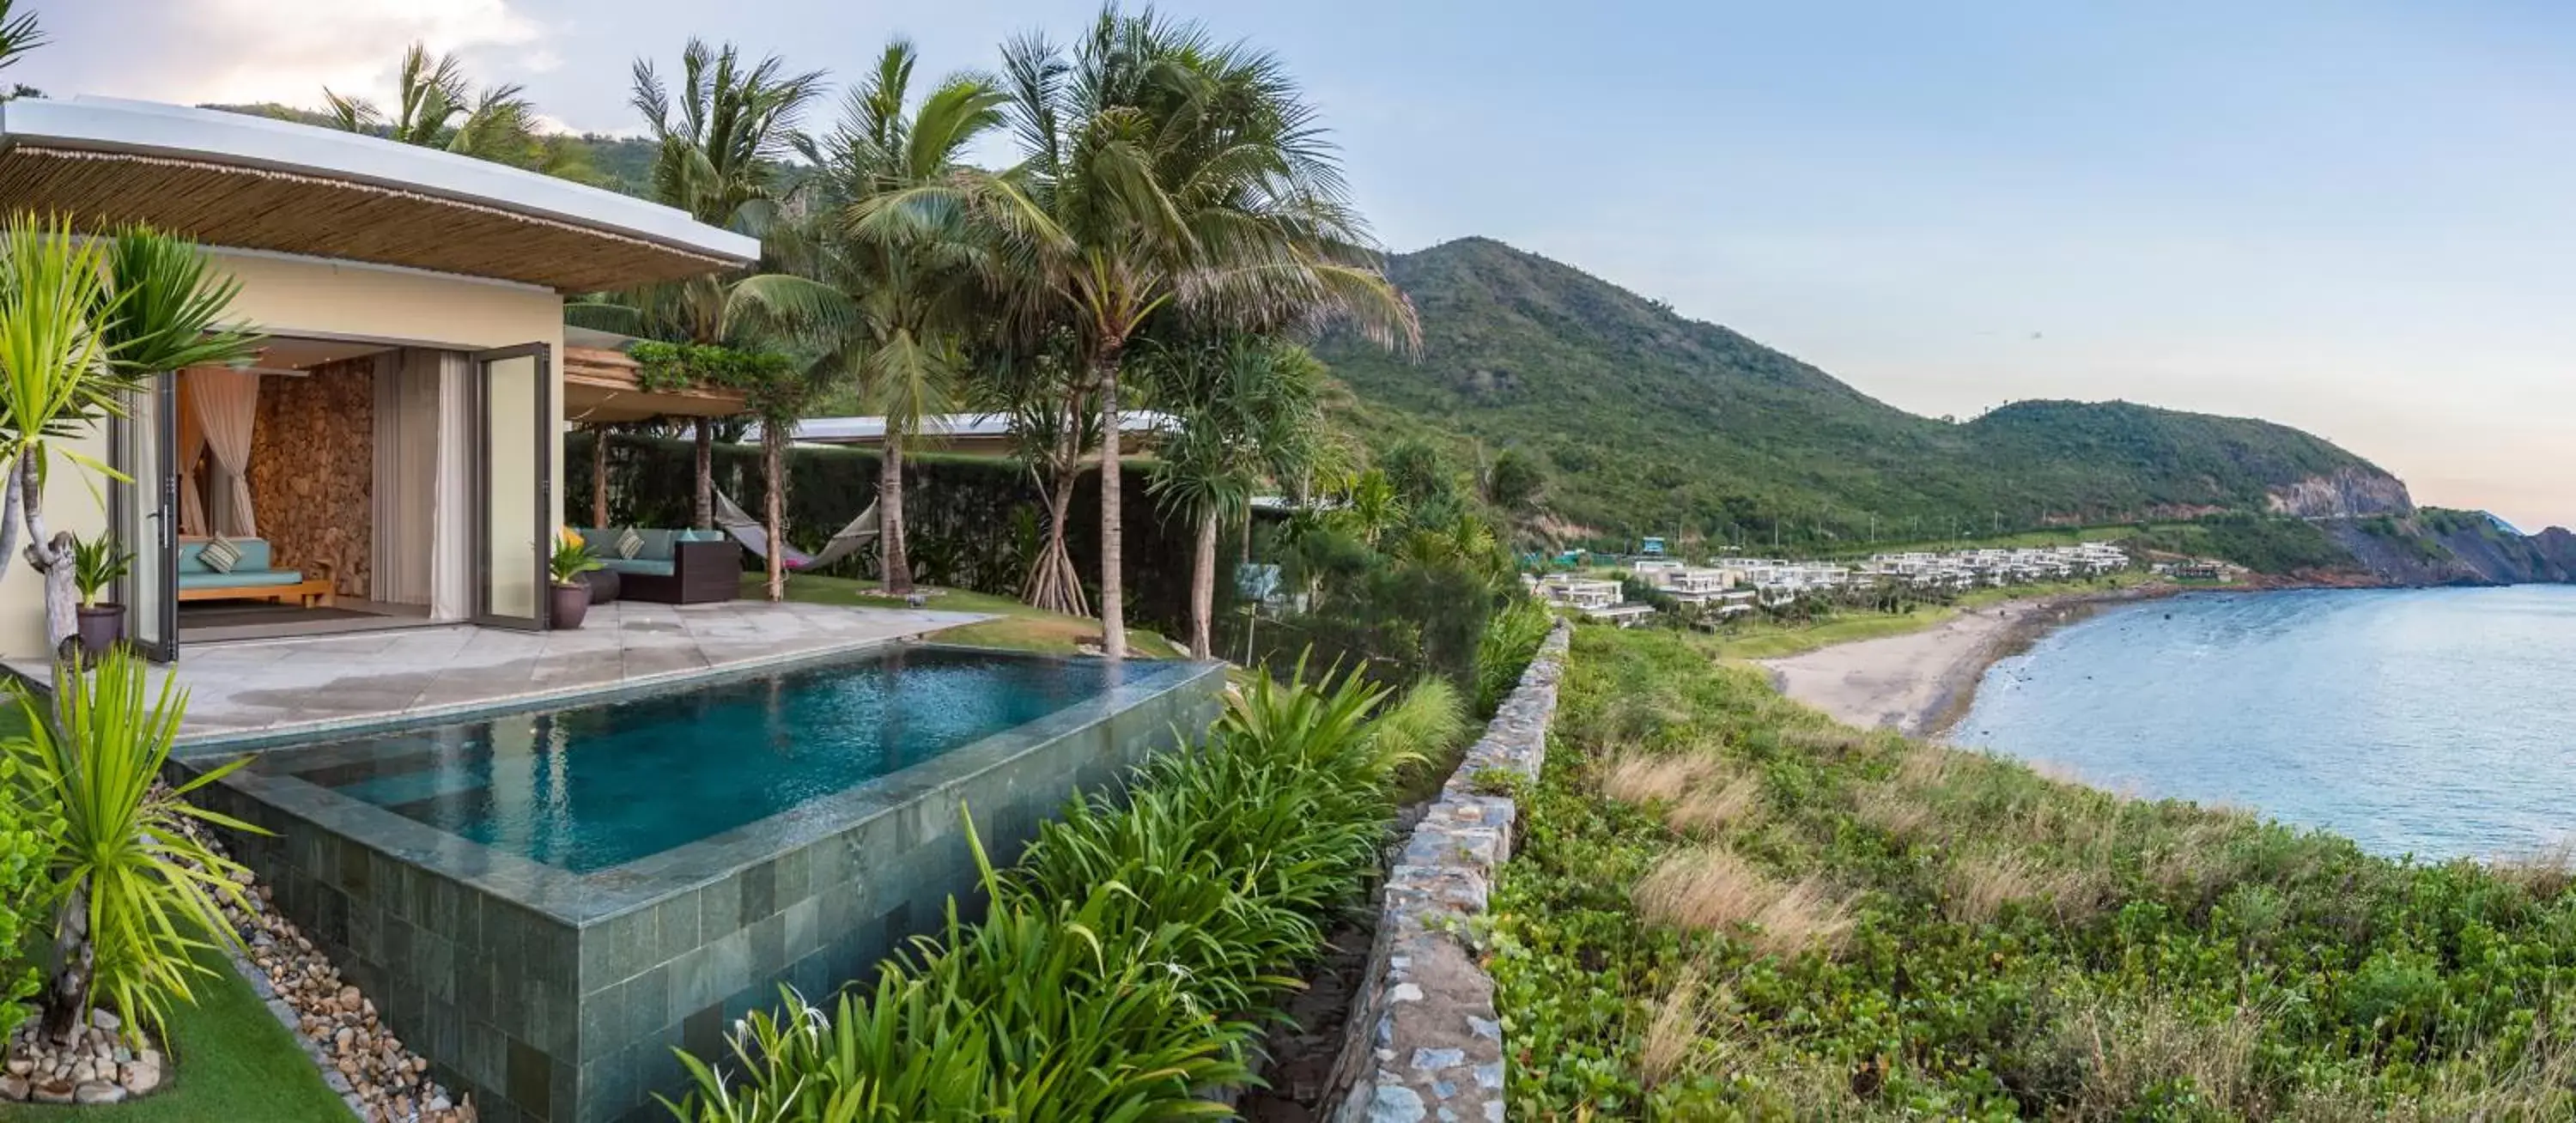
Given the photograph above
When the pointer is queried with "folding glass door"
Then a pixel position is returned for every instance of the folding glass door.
(513, 462)
(143, 510)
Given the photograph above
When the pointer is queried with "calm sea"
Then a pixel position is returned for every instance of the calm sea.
(2440, 722)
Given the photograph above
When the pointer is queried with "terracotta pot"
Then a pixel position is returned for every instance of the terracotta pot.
(571, 603)
(101, 626)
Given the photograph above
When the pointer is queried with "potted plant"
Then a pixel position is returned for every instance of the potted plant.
(98, 563)
(572, 558)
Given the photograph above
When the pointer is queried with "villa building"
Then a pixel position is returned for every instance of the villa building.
(395, 447)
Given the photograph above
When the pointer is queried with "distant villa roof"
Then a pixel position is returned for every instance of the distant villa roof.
(246, 182)
(948, 426)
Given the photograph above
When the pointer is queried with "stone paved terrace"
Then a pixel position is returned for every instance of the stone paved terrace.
(263, 689)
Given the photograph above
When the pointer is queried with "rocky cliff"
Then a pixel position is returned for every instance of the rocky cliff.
(2438, 546)
(2345, 493)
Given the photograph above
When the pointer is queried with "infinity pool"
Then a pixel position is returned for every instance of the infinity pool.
(551, 904)
(598, 786)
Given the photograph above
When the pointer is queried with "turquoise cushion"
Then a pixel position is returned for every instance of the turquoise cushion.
(657, 545)
(648, 567)
(254, 556)
(239, 579)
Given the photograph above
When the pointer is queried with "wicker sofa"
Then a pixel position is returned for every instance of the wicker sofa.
(672, 566)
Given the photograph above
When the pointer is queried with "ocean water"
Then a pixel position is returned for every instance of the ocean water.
(2437, 722)
(588, 787)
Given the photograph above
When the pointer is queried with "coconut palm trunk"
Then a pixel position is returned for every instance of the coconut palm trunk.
(703, 514)
(773, 464)
(1203, 586)
(896, 565)
(599, 478)
(1113, 594)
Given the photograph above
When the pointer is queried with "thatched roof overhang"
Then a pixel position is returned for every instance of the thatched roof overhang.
(600, 387)
(245, 182)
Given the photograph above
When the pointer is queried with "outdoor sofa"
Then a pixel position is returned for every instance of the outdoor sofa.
(671, 566)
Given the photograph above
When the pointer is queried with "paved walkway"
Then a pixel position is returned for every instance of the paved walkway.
(281, 688)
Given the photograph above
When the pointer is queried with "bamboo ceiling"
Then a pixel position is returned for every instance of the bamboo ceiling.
(252, 208)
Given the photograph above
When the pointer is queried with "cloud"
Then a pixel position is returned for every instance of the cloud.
(284, 50)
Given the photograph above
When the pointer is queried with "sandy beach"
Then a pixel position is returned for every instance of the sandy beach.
(1920, 683)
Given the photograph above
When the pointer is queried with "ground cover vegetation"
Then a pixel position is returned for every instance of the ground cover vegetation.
(1132, 956)
(1727, 906)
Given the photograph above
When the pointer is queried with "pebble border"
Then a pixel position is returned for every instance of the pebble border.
(1424, 1041)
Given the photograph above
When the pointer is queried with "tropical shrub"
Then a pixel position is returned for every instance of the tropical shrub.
(1127, 962)
(1724, 905)
(1510, 641)
(133, 895)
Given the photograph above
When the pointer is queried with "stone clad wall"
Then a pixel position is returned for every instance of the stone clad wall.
(1425, 1043)
(313, 469)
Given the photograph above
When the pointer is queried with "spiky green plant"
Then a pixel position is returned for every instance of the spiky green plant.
(135, 894)
(98, 561)
(1126, 963)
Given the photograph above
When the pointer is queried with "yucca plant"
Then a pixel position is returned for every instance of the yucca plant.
(135, 895)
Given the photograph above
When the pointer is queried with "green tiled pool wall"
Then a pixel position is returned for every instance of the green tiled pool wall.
(485, 988)
(541, 1019)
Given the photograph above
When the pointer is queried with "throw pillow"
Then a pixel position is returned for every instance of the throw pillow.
(220, 554)
(629, 543)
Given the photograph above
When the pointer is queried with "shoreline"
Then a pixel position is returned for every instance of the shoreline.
(1921, 683)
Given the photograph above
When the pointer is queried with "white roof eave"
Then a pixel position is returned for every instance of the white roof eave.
(147, 128)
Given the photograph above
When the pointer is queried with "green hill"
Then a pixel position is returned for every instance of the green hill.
(1647, 421)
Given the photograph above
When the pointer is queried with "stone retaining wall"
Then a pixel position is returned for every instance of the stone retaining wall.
(1424, 1041)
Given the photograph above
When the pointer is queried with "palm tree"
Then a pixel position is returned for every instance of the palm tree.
(1054, 427)
(914, 289)
(1249, 408)
(718, 156)
(435, 106)
(82, 323)
(1372, 508)
(1161, 169)
(18, 35)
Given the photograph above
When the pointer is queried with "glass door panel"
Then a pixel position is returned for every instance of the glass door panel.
(143, 510)
(513, 460)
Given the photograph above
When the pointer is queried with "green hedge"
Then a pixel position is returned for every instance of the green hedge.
(971, 522)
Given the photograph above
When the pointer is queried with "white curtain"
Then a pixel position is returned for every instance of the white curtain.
(192, 448)
(451, 589)
(227, 405)
(406, 454)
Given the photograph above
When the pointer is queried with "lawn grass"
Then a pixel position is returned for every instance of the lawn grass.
(234, 1063)
(1020, 627)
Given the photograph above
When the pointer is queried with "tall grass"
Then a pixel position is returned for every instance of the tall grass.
(1128, 961)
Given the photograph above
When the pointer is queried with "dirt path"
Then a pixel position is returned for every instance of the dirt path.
(1919, 683)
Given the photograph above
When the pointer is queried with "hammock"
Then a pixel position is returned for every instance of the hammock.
(755, 537)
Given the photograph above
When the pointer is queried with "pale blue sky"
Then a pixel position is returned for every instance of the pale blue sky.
(2348, 216)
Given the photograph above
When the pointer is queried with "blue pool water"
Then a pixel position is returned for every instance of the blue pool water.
(2432, 721)
(595, 786)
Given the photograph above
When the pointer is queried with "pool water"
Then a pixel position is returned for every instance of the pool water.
(596, 786)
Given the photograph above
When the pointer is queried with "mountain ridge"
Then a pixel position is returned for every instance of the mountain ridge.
(1652, 419)
(1651, 422)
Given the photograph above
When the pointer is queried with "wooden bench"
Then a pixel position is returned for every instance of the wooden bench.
(312, 592)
